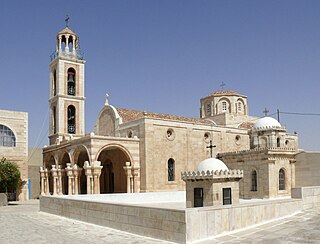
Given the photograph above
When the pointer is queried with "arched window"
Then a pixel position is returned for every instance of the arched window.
(254, 181)
(7, 137)
(239, 106)
(282, 179)
(71, 119)
(54, 122)
(208, 108)
(54, 83)
(278, 142)
(171, 170)
(224, 106)
(71, 82)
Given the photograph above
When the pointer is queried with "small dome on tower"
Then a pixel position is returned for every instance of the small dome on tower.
(211, 164)
(266, 122)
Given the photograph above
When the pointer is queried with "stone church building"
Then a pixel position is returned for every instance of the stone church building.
(138, 151)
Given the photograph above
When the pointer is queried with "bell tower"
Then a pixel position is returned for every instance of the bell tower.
(66, 99)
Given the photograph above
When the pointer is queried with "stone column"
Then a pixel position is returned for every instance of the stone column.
(75, 171)
(67, 44)
(55, 179)
(60, 43)
(96, 171)
(74, 45)
(127, 170)
(88, 172)
(70, 179)
(60, 172)
(136, 178)
(42, 182)
(46, 189)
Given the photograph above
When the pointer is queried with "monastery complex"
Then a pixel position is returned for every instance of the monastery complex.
(165, 176)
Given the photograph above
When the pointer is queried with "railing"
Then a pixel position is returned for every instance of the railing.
(55, 54)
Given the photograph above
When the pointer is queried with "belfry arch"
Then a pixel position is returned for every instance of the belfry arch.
(113, 177)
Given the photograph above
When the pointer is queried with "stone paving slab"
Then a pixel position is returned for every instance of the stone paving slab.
(23, 223)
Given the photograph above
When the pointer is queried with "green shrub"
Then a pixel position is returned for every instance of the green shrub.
(9, 176)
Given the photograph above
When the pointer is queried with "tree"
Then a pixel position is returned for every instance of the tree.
(9, 176)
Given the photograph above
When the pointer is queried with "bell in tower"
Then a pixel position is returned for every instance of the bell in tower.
(66, 102)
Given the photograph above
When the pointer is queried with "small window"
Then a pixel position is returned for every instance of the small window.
(54, 83)
(224, 106)
(282, 180)
(130, 134)
(198, 197)
(278, 142)
(170, 134)
(54, 122)
(239, 106)
(208, 108)
(7, 137)
(171, 170)
(226, 193)
(71, 119)
(254, 184)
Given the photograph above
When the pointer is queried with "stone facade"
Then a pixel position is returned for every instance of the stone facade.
(14, 144)
(35, 161)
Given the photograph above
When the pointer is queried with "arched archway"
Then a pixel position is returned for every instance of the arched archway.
(48, 165)
(80, 156)
(113, 177)
(65, 159)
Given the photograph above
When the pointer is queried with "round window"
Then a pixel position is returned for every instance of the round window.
(170, 134)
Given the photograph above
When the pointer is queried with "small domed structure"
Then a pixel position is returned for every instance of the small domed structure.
(266, 122)
(211, 164)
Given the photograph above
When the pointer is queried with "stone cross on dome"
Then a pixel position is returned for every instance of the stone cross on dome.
(67, 21)
(211, 148)
(222, 85)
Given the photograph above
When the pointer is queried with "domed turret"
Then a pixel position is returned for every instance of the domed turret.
(211, 164)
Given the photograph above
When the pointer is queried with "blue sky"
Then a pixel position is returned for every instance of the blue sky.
(163, 56)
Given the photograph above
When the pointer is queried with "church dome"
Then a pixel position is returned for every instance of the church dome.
(211, 164)
(266, 122)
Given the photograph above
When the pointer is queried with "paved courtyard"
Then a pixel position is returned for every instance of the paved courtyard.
(23, 223)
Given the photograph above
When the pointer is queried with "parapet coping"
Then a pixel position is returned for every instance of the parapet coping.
(202, 175)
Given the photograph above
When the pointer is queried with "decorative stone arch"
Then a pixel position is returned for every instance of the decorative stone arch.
(80, 155)
(118, 165)
(220, 106)
(108, 119)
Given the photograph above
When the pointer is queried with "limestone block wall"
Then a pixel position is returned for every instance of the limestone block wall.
(310, 196)
(158, 223)
(187, 146)
(17, 122)
(307, 169)
(35, 161)
(207, 222)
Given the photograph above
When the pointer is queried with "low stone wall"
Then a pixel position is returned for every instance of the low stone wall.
(165, 224)
(3, 199)
(207, 222)
(310, 196)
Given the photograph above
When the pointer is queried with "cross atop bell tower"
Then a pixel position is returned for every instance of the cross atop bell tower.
(66, 102)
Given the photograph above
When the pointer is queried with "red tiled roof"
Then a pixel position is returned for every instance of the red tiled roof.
(130, 115)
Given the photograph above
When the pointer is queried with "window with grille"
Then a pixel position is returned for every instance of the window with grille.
(7, 137)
